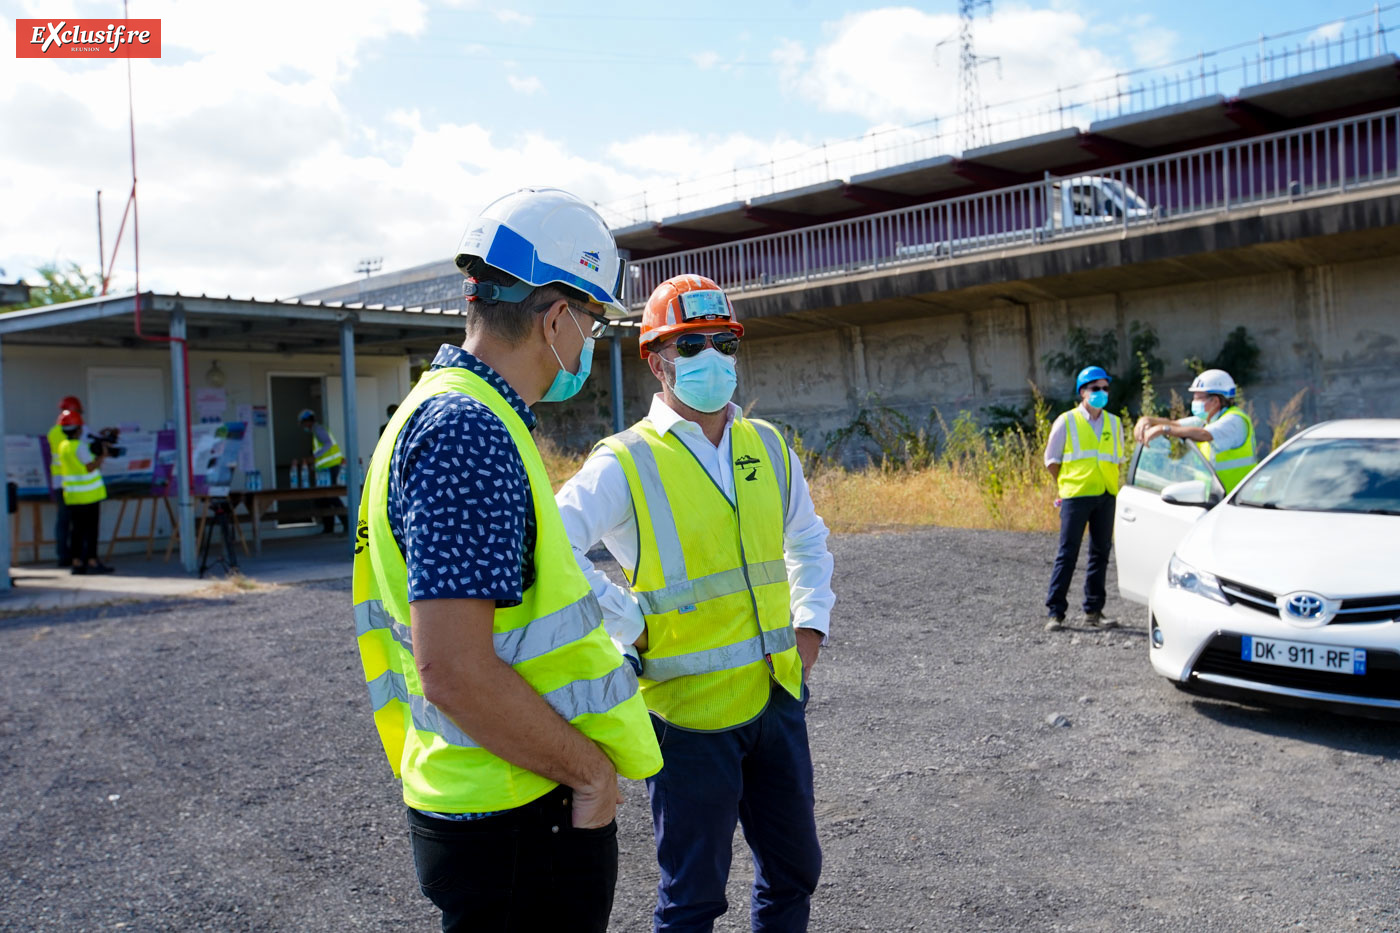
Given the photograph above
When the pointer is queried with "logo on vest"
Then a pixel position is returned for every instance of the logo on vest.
(747, 462)
(361, 535)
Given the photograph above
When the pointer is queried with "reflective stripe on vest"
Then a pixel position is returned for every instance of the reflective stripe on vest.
(723, 658)
(81, 486)
(574, 699)
(327, 456)
(1234, 464)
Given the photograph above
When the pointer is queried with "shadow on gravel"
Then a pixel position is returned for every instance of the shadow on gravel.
(1333, 730)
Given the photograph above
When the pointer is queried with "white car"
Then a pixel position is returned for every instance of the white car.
(1288, 589)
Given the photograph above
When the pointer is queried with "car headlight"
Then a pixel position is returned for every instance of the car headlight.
(1182, 576)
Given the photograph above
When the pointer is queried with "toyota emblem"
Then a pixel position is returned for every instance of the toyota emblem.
(1304, 606)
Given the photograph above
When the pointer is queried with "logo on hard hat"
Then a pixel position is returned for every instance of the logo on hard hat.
(591, 260)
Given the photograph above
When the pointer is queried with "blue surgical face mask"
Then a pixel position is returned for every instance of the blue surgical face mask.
(1198, 408)
(1098, 399)
(705, 381)
(566, 384)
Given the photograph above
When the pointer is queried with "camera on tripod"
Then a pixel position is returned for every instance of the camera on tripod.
(104, 443)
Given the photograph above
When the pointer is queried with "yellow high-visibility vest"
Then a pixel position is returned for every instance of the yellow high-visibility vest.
(554, 640)
(80, 485)
(56, 437)
(329, 455)
(1089, 463)
(710, 576)
(1234, 464)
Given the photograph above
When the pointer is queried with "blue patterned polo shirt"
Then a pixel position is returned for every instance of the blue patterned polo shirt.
(459, 500)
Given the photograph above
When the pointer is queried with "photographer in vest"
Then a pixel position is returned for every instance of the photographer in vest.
(710, 518)
(1083, 453)
(503, 707)
(1220, 428)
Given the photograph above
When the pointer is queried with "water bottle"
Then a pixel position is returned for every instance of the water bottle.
(293, 477)
(340, 475)
(305, 475)
(252, 480)
(323, 478)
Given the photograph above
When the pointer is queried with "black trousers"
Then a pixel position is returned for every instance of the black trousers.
(1095, 513)
(527, 870)
(63, 533)
(84, 521)
(328, 520)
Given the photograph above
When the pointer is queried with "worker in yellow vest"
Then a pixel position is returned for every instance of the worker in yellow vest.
(504, 709)
(62, 529)
(1083, 454)
(1219, 427)
(83, 491)
(728, 603)
(327, 456)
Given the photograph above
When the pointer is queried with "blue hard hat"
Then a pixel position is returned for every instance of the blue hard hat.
(308, 413)
(1089, 374)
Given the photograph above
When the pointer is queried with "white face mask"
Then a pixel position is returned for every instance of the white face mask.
(705, 381)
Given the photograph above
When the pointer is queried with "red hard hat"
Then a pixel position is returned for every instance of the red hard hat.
(70, 403)
(70, 419)
(682, 303)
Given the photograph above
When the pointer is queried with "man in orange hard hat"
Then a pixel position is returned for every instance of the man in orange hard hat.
(729, 601)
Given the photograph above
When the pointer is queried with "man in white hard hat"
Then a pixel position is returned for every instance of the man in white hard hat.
(1219, 427)
(502, 705)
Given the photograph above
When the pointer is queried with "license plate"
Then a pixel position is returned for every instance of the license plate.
(1300, 654)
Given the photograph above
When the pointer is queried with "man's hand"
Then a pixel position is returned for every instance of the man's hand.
(595, 804)
(641, 643)
(809, 645)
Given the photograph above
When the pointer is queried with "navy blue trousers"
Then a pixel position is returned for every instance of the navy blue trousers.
(1096, 514)
(758, 775)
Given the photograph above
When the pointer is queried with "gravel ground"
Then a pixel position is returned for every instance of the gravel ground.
(210, 765)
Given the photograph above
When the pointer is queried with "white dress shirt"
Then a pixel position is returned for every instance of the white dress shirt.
(596, 505)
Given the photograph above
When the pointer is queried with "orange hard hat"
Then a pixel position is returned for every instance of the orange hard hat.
(70, 419)
(70, 403)
(682, 303)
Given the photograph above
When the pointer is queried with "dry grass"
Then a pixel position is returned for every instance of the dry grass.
(871, 499)
(559, 464)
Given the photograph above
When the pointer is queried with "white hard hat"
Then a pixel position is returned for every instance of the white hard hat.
(543, 236)
(1215, 382)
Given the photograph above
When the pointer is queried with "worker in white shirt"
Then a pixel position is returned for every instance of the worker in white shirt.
(1219, 427)
(711, 520)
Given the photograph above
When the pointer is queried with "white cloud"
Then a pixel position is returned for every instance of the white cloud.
(705, 60)
(515, 17)
(888, 64)
(526, 85)
(1327, 33)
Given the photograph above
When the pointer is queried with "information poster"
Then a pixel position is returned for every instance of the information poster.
(215, 449)
(163, 473)
(134, 469)
(27, 465)
(209, 404)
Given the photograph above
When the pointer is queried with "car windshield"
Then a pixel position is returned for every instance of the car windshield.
(1343, 474)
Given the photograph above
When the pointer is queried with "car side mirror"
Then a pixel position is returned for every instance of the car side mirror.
(1191, 492)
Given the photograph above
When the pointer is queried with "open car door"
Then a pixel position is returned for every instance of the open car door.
(1147, 528)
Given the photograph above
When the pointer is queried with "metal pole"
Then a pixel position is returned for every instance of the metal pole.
(616, 360)
(184, 509)
(352, 430)
(6, 545)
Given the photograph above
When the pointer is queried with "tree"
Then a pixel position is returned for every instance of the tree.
(61, 284)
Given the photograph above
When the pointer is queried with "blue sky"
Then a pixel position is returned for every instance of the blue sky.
(272, 157)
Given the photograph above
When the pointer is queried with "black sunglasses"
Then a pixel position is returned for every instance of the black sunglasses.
(688, 345)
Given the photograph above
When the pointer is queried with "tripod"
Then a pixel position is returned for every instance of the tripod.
(220, 515)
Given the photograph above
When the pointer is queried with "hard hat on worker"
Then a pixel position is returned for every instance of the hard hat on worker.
(682, 303)
(1214, 382)
(70, 419)
(541, 236)
(70, 403)
(306, 415)
(1088, 374)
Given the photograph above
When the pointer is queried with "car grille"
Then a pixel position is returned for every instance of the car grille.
(1381, 680)
(1363, 609)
